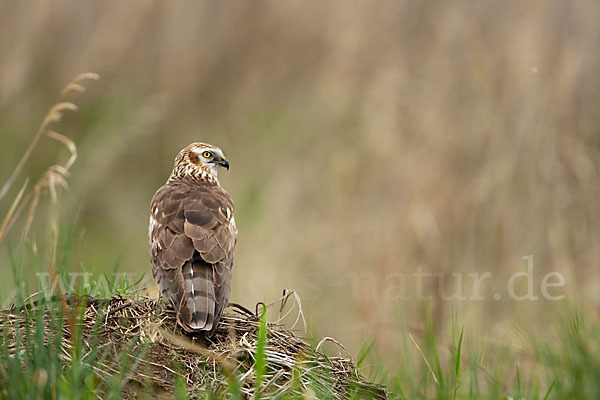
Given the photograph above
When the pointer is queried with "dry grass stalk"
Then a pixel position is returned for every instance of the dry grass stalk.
(56, 174)
(11, 211)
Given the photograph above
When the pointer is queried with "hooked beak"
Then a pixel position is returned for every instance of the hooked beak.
(223, 163)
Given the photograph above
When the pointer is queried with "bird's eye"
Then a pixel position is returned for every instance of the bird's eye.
(207, 154)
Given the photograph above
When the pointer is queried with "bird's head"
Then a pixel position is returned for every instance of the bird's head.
(199, 161)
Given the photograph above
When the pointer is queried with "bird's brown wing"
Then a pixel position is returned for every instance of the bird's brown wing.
(192, 241)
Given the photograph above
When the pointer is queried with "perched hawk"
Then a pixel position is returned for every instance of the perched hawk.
(192, 235)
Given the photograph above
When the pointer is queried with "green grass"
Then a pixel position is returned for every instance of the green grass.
(260, 361)
(35, 363)
(568, 367)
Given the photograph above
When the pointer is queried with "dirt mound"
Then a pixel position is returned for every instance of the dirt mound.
(139, 338)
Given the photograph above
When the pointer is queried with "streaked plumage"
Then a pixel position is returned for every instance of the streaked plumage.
(192, 235)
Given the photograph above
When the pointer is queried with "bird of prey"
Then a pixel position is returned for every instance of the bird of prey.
(192, 235)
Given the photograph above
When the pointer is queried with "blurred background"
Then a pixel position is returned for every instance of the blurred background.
(366, 140)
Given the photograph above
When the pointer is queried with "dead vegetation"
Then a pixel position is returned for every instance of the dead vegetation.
(139, 335)
(56, 174)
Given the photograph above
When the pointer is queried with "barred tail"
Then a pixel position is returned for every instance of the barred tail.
(197, 311)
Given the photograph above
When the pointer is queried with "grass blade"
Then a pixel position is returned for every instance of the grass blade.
(260, 361)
